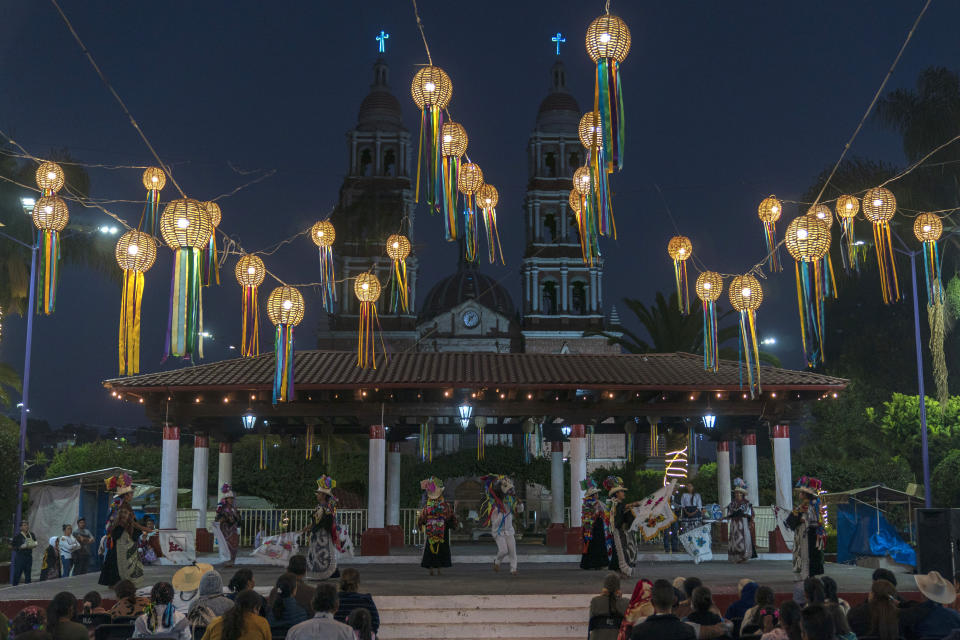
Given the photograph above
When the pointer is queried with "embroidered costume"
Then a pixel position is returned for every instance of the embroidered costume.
(226, 526)
(325, 541)
(499, 504)
(595, 528)
(621, 517)
(741, 546)
(691, 512)
(436, 519)
(122, 561)
(808, 532)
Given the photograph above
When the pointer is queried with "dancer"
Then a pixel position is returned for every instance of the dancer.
(122, 561)
(740, 513)
(325, 541)
(691, 509)
(597, 537)
(621, 517)
(808, 533)
(437, 517)
(499, 504)
(226, 526)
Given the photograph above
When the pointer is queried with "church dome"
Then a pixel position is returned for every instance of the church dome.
(559, 111)
(466, 284)
(380, 110)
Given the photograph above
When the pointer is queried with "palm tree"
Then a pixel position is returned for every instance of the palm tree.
(9, 379)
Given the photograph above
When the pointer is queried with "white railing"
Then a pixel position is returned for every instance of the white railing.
(267, 522)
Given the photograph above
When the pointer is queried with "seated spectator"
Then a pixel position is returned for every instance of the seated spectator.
(210, 602)
(816, 623)
(351, 599)
(241, 581)
(283, 610)
(686, 587)
(60, 613)
(128, 604)
(752, 618)
(607, 610)
(240, 622)
(813, 591)
(663, 625)
(322, 625)
(830, 594)
(92, 603)
(297, 566)
(748, 593)
(705, 615)
(161, 618)
(932, 618)
(29, 625)
(788, 627)
(841, 627)
(362, 624)
(639, 608)
(879, 615)
(889, 576)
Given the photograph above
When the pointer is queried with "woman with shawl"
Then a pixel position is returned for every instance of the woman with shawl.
(499, 504)
(740, 514)
(161, 618)
(621, 518)
(325, 541)
(122, 561)
(640, 607)
(226, 526)
(595, 529)
(808, 532)
(436, 519)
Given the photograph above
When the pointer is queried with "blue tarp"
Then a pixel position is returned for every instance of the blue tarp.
(864, 531)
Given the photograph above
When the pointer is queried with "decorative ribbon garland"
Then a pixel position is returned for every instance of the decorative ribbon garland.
(751, 353)
(608, 100)
(366, 338)
(426, 442)
(250, 332)
(211, 261)
(153, 212)
(470, 228)
(185, 320)
(887, 262)
(711, 349)
(263, 453)
(431, 122)
(493, 236)
(770, 236)
(450, 169)
(683, 289)
(49, 272)
(631, 445)
(328, 293)
(599, 168)
(852, 254)
(308, 442)
(400, 288)
(931, 271)
(129, 347)
(810, 302)
(283, 374)
(587, 227)
(481, 422)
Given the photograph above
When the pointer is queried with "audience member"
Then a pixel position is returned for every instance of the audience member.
(639, 608)
(816, 623)
(92, 603)
(161, 618)
(67, 545)
(297, 566)
(607, 610)
(663, 625)
(351, 599)
(81, 557)
(283, 610)
(241, 581)
(60, 613)
(210, 602)
(931, 619)
(29, 625)
(879, 615)
(686, 587)
(764, 601)
(704, 612)
(830, 594)
(186, 585)
(788, 627)
(23, 545)
(362, 624)
(813, 591)
(240, 622)
(889, 576)
(50, 565)
(128, 604)
(841, 628)
(739, 608)
(322, 625)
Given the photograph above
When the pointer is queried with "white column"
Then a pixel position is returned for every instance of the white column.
(578, 470)
(376, 481)
(169, 466)
(556, 482)
(723, 473)
(781, 465)
(393, 484)
(224, 466)
(750, 475)
(201, 467)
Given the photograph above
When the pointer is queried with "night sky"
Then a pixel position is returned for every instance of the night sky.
(726, 103)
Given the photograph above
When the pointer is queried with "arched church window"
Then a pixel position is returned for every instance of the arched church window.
(550, 162)
(550, 298)
(366, 160)
(578, 297)
(550, 228)
(389, 162)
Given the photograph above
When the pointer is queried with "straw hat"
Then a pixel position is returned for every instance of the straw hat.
(808, 485)
(589, 487)
(739, 486)
(433, 486)
(227, 491)
(613, 484)
(326, 484)
(935, 587)
(188, 578)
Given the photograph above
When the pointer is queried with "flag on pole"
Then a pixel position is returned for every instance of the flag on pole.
(654, 514)
(697, 543)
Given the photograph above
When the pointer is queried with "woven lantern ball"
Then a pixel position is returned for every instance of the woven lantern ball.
(285, 306)
(136, 251)
(488, 196)
(589, 130)
(847, 206)
(453, 139)
(679, 248)
(366, 287)
(250, 271)
(822, 213)
(574, 201)
(323, 234)
(807, 238)
(470, 178)
(927, 227)
(213, 210)
(582, 180)
(50, 176)
(431, 87)
(745, 293)
(398, 247)
(709, 286)
(770, 209)
(185, 223)
(608, 37)
(50, 212)
(154, 179)
(879, 205)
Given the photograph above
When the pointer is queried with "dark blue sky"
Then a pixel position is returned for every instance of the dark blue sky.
(726, 103)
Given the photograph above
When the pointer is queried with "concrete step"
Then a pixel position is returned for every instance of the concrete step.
(455, 630)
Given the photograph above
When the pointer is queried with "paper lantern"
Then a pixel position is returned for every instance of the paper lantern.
(582, 181)
(808, 241)
(586, 214)
(323, 234)
(185, 227)
(211, 260)
(49, 178)
(591, 134)
(680, 249)
(769, 212)
(250, 272)
(454, 139)
(822, 213)
(487, 199)
(470, 179)
(709, 287)
(285, 310)
(469, 182)
(431, 90)
(154, 180)
(398, 248)
(574, 202)
(807, 238)
(367, 289)
(745, 297)
(879, 206)
(50, 216)
(135, 253)
(453, 144)
(608, 43)
(847, 208)
(928, 228)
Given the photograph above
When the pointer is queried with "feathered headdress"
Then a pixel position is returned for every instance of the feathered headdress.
(612, 484)
(326, 484)
(739, 485)
(227, 491)
(589, 487)
(497, 493)
(119, 484)
(810, 485)
(433, 487)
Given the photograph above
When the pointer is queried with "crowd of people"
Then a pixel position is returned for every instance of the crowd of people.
(685, 610)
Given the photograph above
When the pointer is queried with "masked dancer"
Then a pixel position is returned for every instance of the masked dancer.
(325, 541)
(226, 526)
(621, 517)
(595, 530)
(437, 517)
(500, 503)
(808, 532)
(741, 546)
(122, 561)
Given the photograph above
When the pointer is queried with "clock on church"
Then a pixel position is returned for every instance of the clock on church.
(470, 318)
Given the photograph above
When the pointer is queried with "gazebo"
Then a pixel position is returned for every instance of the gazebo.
(565, 391)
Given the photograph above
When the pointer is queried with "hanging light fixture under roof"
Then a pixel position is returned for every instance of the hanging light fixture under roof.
(566, 430)
(466, 412)
(249, 420)
(709, 421)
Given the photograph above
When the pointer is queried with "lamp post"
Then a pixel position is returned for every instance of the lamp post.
(466, 412)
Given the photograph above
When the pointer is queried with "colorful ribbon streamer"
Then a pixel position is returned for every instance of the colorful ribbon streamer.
(810, 301)
(711, 349)
(400, 288)
(366, 338)
(683, 289)
(185, 320)
(493, 236)
(481, 423)
(852, 254)
(599, 169)
(431, 122)
(770, 236)
(608, 100)
(450, 170)
(283, 374)
(587, 229)
(211, 260)
(887, 262)
(470, 228)
(308, 443)
(426, 442)
(751, 353)
(250, 331)
(129, 347)
(263, 453)
(49, 272)
(931, 271)
(328, 293)
(153, 212)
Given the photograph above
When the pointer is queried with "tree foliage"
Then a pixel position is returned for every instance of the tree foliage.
(945, 481)
(898, 420)
(10, 454)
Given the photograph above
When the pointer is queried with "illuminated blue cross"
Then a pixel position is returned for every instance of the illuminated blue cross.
(559, 39)
(382, 40)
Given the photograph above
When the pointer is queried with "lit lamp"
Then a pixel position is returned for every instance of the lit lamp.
(250, 273)
(466, 412)
(249, 420)
(398, 248)
(828, 283)
(745, 297)
(928, 228)
(566, 431)
(847, 208)
(709, 288)
(469, 182)
(453, 145)
(680, 249)
(323, 234)
(50, 216)
(769, 212)
(285, 309)
(808, 241)
(879, 206)
(709, 421)
(367, 289)
(154, 180)
(487, 199)
(608, 43)
(431, 90)
(586, 214)
(135, 253)
(591, 137)
(211, 258)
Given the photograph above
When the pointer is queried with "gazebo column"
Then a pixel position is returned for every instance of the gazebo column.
(169, 467)
(750, 475)
(375, 541)
(556, 532)
(224, 467)
(723, 473)
(784, 481)
(393, 495)
(578, 472)
(201, 471)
